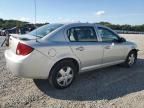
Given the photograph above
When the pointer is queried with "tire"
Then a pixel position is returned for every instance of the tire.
(131, 59)
(62, 74)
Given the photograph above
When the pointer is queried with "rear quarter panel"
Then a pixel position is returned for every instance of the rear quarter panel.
(54, 52)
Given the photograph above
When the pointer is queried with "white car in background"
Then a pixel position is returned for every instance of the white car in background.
(58, 52)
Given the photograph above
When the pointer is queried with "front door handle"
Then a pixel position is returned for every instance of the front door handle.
(80, 48)
(108, 47)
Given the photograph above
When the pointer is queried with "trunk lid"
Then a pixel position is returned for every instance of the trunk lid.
(15, 39)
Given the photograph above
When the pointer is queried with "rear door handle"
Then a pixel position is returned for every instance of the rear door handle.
(80, 48)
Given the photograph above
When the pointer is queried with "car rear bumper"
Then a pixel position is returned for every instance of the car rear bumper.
(34, 65)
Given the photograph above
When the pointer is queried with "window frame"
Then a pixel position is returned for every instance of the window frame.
(96, 35)
(108, 30)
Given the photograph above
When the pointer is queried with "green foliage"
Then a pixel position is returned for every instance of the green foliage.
(6, 24)
(139, 28)
(11, 23)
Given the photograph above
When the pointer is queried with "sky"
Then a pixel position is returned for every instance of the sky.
(53, 11)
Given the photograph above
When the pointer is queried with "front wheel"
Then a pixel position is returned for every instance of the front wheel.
(131, 59)
(62, 75)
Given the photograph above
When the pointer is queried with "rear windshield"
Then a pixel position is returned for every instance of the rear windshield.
(44, 30)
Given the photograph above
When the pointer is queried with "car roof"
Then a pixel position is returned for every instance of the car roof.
(80, 23)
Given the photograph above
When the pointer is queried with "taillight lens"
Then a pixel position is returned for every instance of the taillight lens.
(23, 49)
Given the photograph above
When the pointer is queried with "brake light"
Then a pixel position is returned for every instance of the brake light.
(23, 49)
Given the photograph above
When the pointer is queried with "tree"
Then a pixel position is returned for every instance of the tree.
(126, 27)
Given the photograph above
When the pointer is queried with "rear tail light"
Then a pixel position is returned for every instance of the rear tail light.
(23, 49)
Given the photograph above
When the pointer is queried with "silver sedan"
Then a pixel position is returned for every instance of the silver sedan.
(58, 52)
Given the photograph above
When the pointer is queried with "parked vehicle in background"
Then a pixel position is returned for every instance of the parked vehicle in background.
(58, 52)
(2, 32)
(20, 30)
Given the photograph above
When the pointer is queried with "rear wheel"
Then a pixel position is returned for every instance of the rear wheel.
(131, 59)
(63, 74)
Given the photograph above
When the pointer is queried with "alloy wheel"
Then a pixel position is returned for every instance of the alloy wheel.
(65, 76)
(131, 59)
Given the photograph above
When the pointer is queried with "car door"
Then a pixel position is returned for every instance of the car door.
(84, 44)
(113, 49)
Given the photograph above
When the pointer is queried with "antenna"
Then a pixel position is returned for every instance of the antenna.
(35, 7)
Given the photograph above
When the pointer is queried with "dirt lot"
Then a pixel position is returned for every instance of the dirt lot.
(113, 87)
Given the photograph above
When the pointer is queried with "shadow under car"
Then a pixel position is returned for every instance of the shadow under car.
(107, 83)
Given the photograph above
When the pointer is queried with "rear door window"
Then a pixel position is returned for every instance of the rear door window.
(82, 34)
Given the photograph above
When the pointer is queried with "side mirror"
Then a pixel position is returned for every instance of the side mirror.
(122, 39)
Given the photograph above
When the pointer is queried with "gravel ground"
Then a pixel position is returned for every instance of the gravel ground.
(113, 87)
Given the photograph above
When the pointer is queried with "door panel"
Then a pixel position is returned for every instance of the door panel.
(84, 44)
(113, 49)
(90, 54)
(113, 52)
